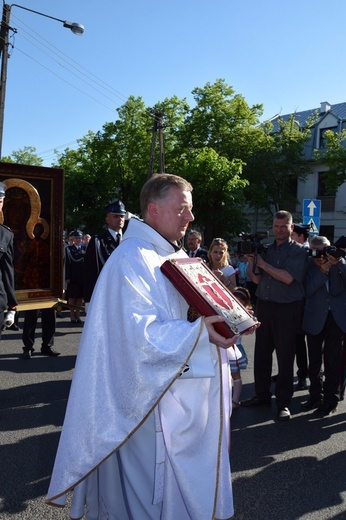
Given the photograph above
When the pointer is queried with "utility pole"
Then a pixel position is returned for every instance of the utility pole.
(157, 128)
(4, 43)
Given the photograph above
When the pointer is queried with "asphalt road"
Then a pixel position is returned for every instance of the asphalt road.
(282, 471)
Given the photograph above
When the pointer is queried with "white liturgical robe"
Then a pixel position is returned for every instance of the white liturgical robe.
(140, 442)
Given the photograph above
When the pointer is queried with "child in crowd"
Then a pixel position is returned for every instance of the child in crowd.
(238, 363)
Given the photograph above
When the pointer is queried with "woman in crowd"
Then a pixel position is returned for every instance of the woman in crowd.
(219, 263)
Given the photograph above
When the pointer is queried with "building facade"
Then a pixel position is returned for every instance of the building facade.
(333, 205)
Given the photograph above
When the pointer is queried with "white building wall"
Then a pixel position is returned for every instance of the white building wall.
(260, 221)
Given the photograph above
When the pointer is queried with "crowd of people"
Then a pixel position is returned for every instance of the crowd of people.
(292, 293)
(297, 289)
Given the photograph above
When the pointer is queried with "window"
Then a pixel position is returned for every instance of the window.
(327, 196)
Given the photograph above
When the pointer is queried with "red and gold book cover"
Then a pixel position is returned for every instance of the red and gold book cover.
(203, 290)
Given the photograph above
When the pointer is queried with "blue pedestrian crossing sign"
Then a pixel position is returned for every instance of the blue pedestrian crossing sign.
(312, 215)
(314, 224)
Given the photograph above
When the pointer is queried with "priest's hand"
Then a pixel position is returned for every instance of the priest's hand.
(215, 337)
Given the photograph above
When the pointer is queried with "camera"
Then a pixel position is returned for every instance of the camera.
(251, 243)
(333, 251)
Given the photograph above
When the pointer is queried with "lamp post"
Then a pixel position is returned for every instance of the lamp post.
(76, 28)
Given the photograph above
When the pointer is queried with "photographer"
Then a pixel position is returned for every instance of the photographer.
(324, 322)
(279, 308)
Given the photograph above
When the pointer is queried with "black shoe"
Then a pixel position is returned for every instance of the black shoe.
(26, 354)
(325, 409)
(256, 401)
(49, 352)
(302, 384)
(310, 404)
(284, 414)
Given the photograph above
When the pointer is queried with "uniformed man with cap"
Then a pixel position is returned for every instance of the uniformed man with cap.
(101, 246)
(8, 300)
(74, 277)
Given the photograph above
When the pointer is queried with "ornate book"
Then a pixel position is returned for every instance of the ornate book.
(203, 290)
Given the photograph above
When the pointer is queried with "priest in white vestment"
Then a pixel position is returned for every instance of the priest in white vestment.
(140, 440)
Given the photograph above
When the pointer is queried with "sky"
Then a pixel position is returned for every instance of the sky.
(287, 55)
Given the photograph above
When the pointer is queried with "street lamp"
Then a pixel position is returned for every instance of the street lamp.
(76, 28)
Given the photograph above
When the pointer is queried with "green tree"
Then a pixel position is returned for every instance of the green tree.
(276, 165)
(217, 137)
(113, 163)
(26, 155)
(223, 121)
(109, 164)
(335, 158)
(217, 194)
(219, 145)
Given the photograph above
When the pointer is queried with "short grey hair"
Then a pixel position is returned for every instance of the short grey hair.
(319, 241)
(197, 233)
(156, 189)
(282, 214)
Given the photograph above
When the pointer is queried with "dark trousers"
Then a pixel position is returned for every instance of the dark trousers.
(301, 357)
(343, 370)
(326, 346)
(279, 325)
(48, 328)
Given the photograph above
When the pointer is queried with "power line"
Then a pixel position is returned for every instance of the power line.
(78, 71)
(82, 70)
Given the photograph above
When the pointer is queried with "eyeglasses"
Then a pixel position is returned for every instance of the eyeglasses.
(219, 241)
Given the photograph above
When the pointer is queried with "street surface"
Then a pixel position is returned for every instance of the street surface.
(282, 471)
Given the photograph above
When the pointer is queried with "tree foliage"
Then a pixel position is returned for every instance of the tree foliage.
(334, 156)
(218, 144)
(26, 155)
(216, 135)
(276, 165)
(217, 195)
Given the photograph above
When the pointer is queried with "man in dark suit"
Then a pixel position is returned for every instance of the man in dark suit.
(7, 296)
(102, 246)
(193, 242)
(324, 322)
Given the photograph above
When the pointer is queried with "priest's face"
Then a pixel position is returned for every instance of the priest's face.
(174, 214)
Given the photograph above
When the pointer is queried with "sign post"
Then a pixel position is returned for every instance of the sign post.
(312, 215)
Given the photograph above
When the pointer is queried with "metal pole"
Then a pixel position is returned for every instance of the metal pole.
(152, 151)
(162, 150)
(4, 42)
(158, 126)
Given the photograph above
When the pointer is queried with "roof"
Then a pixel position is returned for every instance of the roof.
(338, 110)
